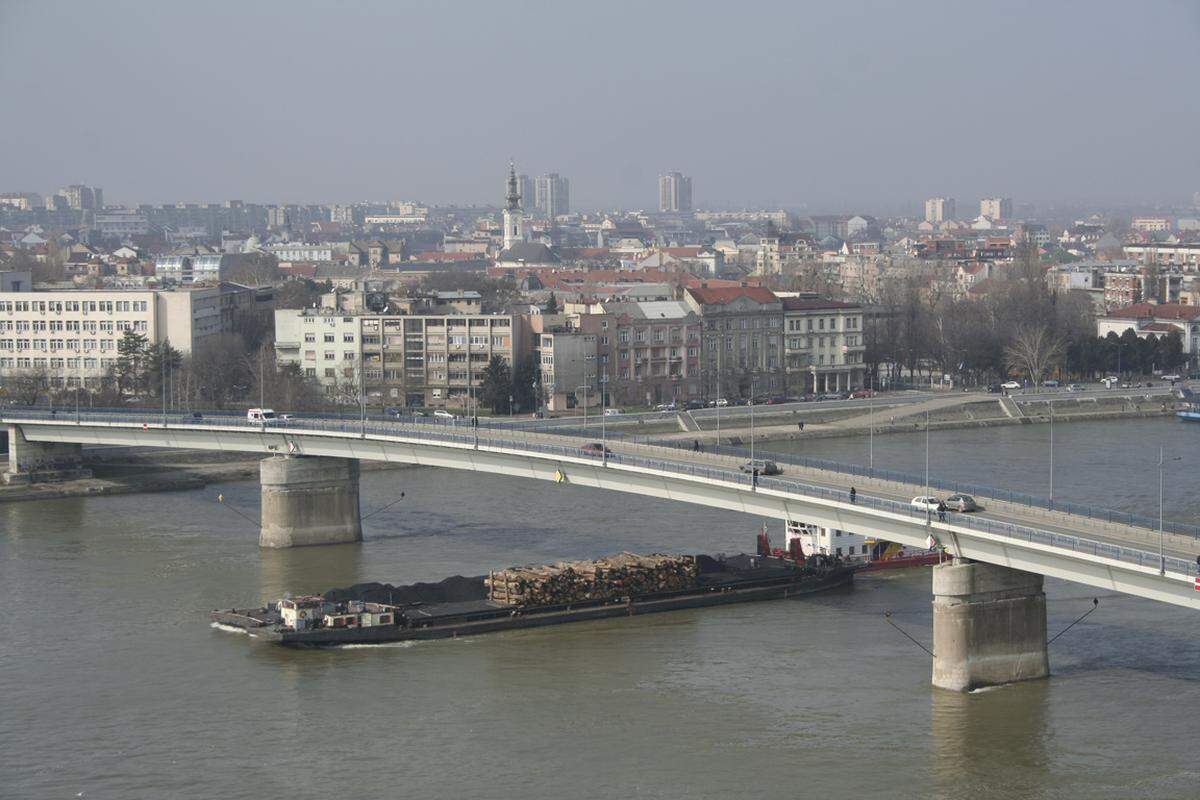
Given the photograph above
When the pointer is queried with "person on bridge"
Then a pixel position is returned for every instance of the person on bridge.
(941, 509)
(800, 425)
(853, 494)
(754, 478)
(696, 446)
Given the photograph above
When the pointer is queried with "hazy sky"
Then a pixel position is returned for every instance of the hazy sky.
(826, 106)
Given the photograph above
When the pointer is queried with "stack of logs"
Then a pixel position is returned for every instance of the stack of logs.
(608, 578)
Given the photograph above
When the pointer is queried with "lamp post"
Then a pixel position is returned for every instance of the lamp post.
(718, 406)
(1162, 557)
(871, 424)
(603, 414)
(1052, 453)
(751, 424)
(928, 511)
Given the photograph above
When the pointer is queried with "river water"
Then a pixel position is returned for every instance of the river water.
(115, 686)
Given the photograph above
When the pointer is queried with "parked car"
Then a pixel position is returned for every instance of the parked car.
(391, 411)
(612, 412)
(1050, 384)
(1172, 377)
(778, 400)
(416, 413)
(671, 406)
(763, 466)
(961, 502)
(925, 503)
(595, 449)
(994, 388)
(442, 413)
(722, 402)
(1074, 387)
(861, 394)
(693, 405)
(1010, 386)
(1109, 382)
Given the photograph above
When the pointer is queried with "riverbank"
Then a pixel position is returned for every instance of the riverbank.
(972, 413)
(117, 471)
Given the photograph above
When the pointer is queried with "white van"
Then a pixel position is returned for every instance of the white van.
(265, 415)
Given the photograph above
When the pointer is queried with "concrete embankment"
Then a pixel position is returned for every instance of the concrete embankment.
(120, 471)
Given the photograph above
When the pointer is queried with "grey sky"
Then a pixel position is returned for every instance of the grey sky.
(834, 105)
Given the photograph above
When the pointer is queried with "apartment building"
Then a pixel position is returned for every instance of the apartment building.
(647, 353)
(823, 345)
(742, 329)
(571, 377)
(413, 360)
(1186, 256)
(74, 332)
(940, 209)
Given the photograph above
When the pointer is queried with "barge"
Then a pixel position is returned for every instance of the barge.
(376, 613)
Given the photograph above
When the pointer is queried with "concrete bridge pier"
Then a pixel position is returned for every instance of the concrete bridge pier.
(989, 625)
(39, 462)
(308, 501)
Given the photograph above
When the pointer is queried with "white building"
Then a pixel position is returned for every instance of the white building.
(1159, 320)
(299, 251)
(514, 216)
(939, 209)
(74, 332)
(995, 208)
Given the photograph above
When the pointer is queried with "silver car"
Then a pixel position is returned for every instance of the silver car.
(961, 502)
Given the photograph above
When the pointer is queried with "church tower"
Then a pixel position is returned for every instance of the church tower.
(514, 217)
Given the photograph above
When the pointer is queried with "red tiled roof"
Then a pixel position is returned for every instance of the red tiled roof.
(1165, 327)
(710, 296)
(1157, 311)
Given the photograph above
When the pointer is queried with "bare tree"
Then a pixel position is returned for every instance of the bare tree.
(1034, 351)
(27, 385)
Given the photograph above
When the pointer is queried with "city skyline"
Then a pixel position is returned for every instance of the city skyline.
(235, 131)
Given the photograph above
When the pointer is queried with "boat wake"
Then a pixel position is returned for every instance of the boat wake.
(374, 645)
(228, 628)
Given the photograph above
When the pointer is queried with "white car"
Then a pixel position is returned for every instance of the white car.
(612, 412)
(1010, 386)
(722, 402)
(1171, 378)
(925, 503)
(442, 413)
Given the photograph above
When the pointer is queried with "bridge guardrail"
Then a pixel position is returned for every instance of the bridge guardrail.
(467, 435)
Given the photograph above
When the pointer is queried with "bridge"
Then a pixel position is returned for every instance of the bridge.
(989, 607)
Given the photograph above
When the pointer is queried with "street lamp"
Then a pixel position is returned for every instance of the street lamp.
(1162, 558)
(928, 520)
(871, 424)
(1051, 402)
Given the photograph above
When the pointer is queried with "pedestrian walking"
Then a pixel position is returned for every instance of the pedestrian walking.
(754, 478)
(853, 494)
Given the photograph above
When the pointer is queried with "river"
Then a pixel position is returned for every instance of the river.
(115, 686)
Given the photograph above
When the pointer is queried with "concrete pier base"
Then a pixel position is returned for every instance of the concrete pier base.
(309, 501)
(42, 462)
(989, 626)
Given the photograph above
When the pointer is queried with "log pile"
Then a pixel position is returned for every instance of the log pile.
(607, 578)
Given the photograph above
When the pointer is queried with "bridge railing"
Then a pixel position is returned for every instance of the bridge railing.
(943, 485)
(514, 440)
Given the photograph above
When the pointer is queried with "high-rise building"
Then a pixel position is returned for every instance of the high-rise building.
(939, 209)
(674, 192)
(552, 195)
(525, 188)
(83, 198)
(996, 208)
(1196, 199)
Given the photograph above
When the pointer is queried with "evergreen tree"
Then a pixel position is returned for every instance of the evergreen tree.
(497, 385)
(131, 362)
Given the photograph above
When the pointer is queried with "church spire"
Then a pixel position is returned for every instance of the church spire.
(514, 194)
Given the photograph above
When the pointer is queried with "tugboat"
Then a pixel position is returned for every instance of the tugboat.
(623, 585)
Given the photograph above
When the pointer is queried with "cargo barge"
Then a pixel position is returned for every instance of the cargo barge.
(376, 613)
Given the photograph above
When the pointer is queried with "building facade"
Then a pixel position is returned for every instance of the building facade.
(73, 333)
(552, 195)
(674, 193)
(940, 209)
(823, 345)
(996, 208)
(742, 330)
(434, 360)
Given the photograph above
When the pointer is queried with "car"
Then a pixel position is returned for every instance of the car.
(416, 413)
(612, 412)
(284, 419)
(442, 413)
(693, 405)
(994, 388)
(1074, 387)
(925, 503)
(1050, 384)
(763, 466)
(861, 394)
(778, 400)
(595, 449)
(961, 502)
(194, 416)
(1172, 377)
(671, 406)
(1109, 382)
(1010, 386)
(263, 415)
(721, 402)
(830, 396)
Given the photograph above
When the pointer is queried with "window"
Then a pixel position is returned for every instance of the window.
(310, 337)
(604, 340)
(329, 337)
(330, 355)
(348, 338)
